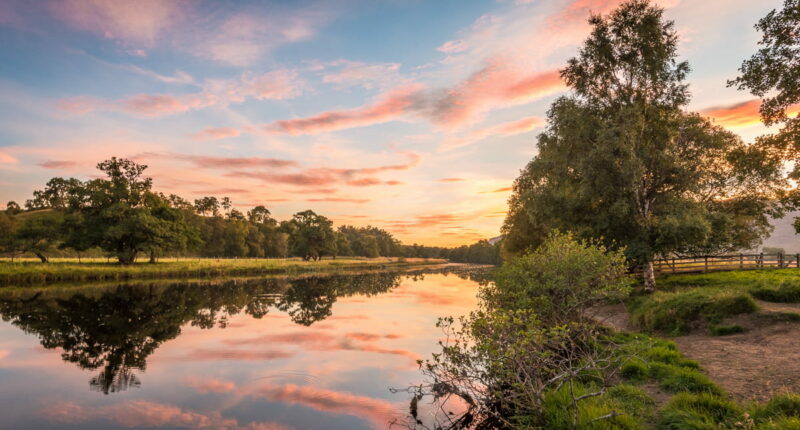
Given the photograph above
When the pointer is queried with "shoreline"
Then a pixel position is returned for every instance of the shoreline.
(38, 274)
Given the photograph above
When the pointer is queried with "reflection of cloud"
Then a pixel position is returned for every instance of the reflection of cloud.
(142, 413)
(320, 341)
(211, 385)
(225, 354)
(378, 412)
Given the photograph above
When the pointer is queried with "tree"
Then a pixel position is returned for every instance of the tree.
(7, 237)
(260, 215)
(12, 208)
(312, 236)
(40, 232)
(123, 216)
(772, 74)
(621, 160)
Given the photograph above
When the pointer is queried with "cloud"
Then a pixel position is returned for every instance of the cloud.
(143, 413)
(132, 23)
(211, 385)
(212, 162)
(742, 114)
(497, 84)
(226, 354)
(367, 75)
(453, 46)
(510, 128)
(7, 158)
(498, 190)
(338, 200)
(216, 133)
(278, 84)
(379, 412)
(386, 108)
(57, 164)
(451, 180)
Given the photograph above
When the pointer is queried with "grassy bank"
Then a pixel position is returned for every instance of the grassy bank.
(705, 301)
(31, 273)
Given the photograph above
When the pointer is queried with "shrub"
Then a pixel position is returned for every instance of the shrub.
(631, 402)
(699, 411)
(724, 330)
(676, 313)
(560, 280)
(781, 424)
(785, 292)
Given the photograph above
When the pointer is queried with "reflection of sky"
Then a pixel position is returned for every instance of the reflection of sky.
(259, 374)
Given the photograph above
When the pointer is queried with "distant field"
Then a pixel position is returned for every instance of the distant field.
(31, 271)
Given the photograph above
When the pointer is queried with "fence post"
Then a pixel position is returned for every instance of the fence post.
(741, 261)
(797, 257)
(780, 261)
(673, 263)
(761, 261)
(706, 266)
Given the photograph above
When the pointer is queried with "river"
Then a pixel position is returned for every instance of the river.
(315, 352)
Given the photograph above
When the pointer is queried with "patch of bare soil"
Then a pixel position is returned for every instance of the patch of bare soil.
(754, 365)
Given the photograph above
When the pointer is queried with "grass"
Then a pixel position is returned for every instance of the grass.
(678, 312)
(69, 270)
(686, 302)
(725, 329)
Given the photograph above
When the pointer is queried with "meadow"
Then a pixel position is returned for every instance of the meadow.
(31, 271)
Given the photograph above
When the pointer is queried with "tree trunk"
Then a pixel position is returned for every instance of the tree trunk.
(649, 277)
(127, 257)
(152, 256)
(41, 257)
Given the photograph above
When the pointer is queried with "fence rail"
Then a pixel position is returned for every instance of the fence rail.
(718, 263)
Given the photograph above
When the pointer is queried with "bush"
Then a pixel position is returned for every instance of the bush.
(635, 370)
(560, 280)
(699, 411)
(785, 292)
(725, 330)
(678, 312)
(632, 403)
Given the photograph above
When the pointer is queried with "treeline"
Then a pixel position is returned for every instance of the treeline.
(121, 216)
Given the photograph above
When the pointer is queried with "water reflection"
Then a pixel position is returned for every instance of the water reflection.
(116, 328)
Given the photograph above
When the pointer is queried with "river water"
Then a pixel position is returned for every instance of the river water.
(315, 352)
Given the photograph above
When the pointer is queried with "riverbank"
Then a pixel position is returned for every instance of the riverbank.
(69, 270)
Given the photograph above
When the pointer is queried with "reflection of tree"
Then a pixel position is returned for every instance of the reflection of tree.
(116, 329)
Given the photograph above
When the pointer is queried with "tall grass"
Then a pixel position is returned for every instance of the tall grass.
(31, 273)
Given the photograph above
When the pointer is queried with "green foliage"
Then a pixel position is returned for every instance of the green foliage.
(678, 312)
(630, 402)
(781, 424)
(702, 411)
(725, 330)
(785, 292)
(311, 236)
(677, 379)
(561, 279)
(621, 159)
(782, 405)
(635, 370)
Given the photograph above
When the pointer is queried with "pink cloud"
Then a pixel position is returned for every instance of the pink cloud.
(386, 108)
(215, 133)
(497, 84)
(510, 128)
(57, 164)
(743, 114)
(211, 385)
(143, 413)
(338, 200)
(367, 75)
(453, 46)
(451, 180)
(379, 412)
(140, 22)
(280, 84)
(7, 158)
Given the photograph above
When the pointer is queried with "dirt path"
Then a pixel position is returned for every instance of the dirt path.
(750, 366)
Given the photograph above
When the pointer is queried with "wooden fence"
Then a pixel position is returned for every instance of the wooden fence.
(717, 263)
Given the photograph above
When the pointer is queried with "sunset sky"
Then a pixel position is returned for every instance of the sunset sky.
(410, 115)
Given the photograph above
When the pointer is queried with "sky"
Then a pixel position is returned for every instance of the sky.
(414, 116)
